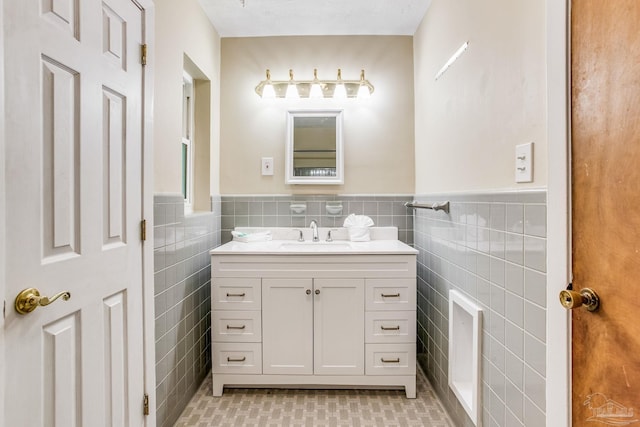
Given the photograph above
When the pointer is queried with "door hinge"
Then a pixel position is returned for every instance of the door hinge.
(143, 54)
(143, 230)
(146, 404)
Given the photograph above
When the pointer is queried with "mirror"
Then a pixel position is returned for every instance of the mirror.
(314, 147)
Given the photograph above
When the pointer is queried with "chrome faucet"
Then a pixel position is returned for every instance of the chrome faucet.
(314, 230)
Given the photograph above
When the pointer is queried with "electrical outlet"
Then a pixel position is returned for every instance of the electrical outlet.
(267, 166)
(524, 162)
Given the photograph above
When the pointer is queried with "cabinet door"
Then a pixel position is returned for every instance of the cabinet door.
(339, 326)
(287, 326)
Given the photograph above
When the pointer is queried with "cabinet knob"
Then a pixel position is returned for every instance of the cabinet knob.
(317, 291)
(308, 291)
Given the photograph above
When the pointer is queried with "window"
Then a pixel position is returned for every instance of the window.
(194, 155)
(187, 140)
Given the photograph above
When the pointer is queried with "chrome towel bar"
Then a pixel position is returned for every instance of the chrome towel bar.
(443, 206)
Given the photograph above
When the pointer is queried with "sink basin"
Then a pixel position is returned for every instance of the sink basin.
(315, 246)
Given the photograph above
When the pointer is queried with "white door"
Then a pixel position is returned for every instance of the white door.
(338, 313)
(74, 202)
(287, 326)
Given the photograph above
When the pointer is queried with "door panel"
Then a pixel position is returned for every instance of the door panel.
(116, 353)
(74, 191)
(60, 350)
(60, 152)
(605, 153)
(114, 146)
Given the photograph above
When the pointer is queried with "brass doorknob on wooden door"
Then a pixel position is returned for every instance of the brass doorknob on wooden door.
(29, 299)
(586, 298)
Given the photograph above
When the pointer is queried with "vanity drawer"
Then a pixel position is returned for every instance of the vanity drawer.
(390, 294)
(236, 326)
(237, 358)
(390, 359)
(236, 294)
(390, 327)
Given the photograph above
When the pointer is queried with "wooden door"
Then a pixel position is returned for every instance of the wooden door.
(338, 325)
(605, 73)
(287, 326)
(74, 197)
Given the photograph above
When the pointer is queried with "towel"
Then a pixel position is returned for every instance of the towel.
(358, 227)
(259, 236)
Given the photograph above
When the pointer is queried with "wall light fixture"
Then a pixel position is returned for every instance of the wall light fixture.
(315, 88)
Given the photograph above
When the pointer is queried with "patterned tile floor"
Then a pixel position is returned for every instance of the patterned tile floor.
(279, 408)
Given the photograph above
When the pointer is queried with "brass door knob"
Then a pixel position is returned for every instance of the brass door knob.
(586, 297)
(29, 299)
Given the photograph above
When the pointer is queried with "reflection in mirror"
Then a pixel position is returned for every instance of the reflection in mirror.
(314, 147)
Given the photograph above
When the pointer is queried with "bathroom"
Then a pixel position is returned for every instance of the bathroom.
(416, 138)
(383, 141)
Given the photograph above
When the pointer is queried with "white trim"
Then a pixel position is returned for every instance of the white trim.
(189, 139)
(558, 391)
(289, 176)
(3, 239)
(464, 355)
(148, 11)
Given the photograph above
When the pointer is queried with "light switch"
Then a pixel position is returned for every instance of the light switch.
(267, 166)
(524, 162)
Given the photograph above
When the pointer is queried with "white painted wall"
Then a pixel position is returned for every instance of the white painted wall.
(378, 133)
(182, 28)
(492, 99)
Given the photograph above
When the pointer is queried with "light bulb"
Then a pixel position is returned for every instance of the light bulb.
(363, 91)
(316, 90)
(292, 89)
(268, 92)
(340, 92)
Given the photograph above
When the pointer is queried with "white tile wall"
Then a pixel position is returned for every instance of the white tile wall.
(492, 246)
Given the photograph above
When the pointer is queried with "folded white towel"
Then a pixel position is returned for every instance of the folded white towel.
(354, 220)
(358, 227)
(260, 236)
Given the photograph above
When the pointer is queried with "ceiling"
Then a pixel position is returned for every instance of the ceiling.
(259, 18)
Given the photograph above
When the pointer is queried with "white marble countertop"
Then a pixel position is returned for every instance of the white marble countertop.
(383, 241)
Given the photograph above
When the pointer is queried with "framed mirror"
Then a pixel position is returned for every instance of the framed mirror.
(314, 147)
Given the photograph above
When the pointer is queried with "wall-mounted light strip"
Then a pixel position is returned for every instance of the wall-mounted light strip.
(451, 60)
(315, 88)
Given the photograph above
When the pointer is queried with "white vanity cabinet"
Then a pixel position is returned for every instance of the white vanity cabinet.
(313, 326)
(314, 320)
